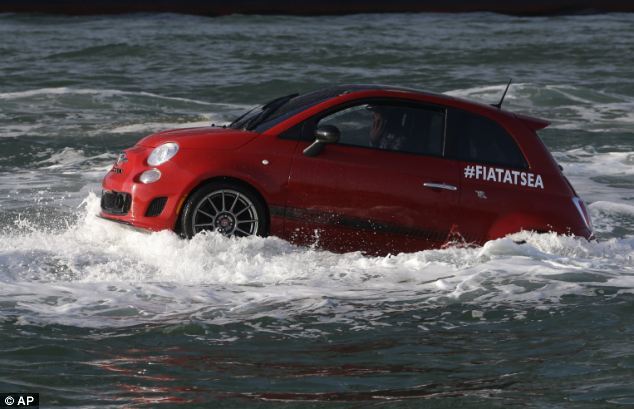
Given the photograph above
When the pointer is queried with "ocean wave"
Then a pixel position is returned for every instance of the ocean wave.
(65, 112)
(72, 158)
(88, 91)
(590, 162)
(568, 106)
(97, 273)
(613, 208)
(599, 176)
(150, 127)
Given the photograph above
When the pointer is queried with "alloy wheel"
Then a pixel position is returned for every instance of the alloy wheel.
(226, 211)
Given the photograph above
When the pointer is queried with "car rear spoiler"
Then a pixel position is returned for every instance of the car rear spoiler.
(533, 123)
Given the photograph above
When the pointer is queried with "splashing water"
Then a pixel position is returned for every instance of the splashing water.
(97, 273)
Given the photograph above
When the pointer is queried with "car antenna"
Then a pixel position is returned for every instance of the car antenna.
(499, 104)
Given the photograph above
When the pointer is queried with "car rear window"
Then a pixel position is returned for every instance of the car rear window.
(474, 138)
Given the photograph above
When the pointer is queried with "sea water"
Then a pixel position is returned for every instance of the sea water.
(95, 315)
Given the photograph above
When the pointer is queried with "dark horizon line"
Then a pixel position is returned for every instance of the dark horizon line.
(307, 8)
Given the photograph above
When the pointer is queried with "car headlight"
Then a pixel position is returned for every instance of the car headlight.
(162, 154)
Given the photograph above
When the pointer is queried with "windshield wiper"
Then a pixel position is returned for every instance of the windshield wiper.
(268, 109)
(235, 121)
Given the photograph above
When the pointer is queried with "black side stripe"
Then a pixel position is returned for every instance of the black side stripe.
(334, 219)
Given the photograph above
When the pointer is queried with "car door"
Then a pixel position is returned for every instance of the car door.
(384, 187)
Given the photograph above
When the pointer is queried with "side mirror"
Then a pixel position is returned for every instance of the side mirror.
(323, 135)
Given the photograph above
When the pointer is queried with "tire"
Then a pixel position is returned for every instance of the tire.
(229, 208)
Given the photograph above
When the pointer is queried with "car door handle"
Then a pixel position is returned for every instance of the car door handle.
(444, 186)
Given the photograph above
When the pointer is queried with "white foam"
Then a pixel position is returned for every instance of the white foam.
(52, 102)
(604, 180)
(488, 93)
(585, 167)
(609, 207)
(588, 162)
(161, 126)
(15, 130)
(609, 216)
(71, 158)
(568, 107)
(98, 273)
(87, 91)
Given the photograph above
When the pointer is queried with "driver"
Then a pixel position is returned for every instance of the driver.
(385, 128)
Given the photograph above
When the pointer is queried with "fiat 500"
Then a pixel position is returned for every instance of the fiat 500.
(370, 168)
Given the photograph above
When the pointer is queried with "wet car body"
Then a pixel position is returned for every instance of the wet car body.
(453, 170)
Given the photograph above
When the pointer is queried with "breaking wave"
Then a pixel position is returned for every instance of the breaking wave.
(55, 92)
(568, 106)
(66, 112)
(96, 273)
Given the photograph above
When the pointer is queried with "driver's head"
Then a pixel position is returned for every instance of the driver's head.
(382, 118)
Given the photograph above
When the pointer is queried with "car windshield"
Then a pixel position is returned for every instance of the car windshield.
(250, 119)
(263, 117)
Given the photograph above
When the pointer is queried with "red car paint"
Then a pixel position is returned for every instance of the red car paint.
(349, 198)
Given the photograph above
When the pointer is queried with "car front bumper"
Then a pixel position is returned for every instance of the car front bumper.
(153, 206)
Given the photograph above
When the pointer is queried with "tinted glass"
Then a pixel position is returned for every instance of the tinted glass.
(257, 115)
(296, 105)
(307, 100)
(400, 128)
(474, 138)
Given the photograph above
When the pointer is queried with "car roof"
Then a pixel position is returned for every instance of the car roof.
(313, 98)
(370, 87)
(332, 92)
(349, 88)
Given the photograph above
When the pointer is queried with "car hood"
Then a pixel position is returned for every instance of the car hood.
(200, 138)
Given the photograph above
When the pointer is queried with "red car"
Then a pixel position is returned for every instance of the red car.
(371, 168)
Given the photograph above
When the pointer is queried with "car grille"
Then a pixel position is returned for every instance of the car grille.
(115, 202)
(156, 207)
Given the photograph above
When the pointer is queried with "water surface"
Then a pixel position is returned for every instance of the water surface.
(93, 314)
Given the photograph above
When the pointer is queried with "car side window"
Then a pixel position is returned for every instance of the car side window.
(402, 128)
(354, 123)
(474, 138)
